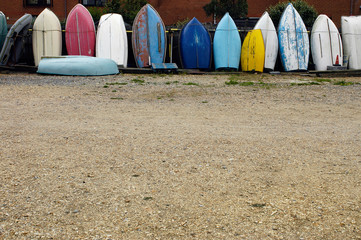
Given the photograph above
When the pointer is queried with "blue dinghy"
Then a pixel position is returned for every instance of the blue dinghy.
(149, 37)
(195, 46)
(227, 44)
(77, 66)
(293, 40)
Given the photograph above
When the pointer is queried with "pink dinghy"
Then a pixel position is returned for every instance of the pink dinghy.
(80, 32)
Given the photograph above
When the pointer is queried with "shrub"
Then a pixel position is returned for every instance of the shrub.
(308, 13)
(127, 8)
(236, 8)
(96, 13)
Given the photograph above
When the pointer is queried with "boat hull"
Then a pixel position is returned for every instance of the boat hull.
(77, 66)
(80, 32)
(3, 29)
(47, 39)
(13, 45)
(112, 39)
(253, 52)
(270, 39)
(195, 46)
(326, 44)
(227, 44)
(293, 39)
(351, 38)
(149, 37)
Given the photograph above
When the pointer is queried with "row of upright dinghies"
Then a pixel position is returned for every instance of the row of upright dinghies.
(109, 43)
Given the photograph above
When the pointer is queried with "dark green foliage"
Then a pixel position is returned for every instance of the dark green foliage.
(96, 13)
(127, 8)
(308, 13)
(112, 6)
(236, 8)
(130, 8)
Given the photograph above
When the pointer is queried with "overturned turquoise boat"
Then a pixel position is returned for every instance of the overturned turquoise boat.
(77, 66)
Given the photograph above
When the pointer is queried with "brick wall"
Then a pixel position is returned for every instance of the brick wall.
(14, 9)
(176, 10)
(173, 11)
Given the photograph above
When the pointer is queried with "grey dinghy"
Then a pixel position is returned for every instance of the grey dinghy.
(14, 43)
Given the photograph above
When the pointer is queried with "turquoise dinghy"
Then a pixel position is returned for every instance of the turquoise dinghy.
(227, 44)
(77, 66)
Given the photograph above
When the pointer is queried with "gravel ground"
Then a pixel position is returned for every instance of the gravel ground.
(249, 156)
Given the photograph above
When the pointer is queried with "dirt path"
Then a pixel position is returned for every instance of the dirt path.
(180, 157)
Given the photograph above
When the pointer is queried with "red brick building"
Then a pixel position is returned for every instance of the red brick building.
(173, 11)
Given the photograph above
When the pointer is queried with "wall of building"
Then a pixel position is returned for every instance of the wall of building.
(14, 9)
(173, 11)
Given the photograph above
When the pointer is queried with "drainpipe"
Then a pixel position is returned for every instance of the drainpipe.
(65, 9)
(351, 6)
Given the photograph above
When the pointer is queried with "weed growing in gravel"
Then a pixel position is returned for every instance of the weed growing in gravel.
(173, 82)
(116, 83)
(344, 83)
(156, 75)
(321, 80)
(266, 85)
(117, 98)
(232, 82)
(246, 83)
(258, 205)
(191, 84)
(305, 84)
(138, 80)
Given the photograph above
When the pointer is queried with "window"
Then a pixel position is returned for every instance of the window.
(38, 2)
(98, 3)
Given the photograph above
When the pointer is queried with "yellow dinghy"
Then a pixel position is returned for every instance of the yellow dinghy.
(253, 52)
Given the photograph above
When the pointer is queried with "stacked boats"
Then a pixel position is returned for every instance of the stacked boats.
(101, 51)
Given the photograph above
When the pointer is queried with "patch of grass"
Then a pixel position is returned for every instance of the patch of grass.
(147, 198)
(137, 81)
(173, 82)
(161, 75)
(305, 84)
(117, 98)
(191, 84)
(323, 80)
(116, 83)
(344, 83)
(105, 86)
(246, 83)
(234, 77)
(114, 90)
(204, 101)
(258, 205)
(266, 85)
(232, 82)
